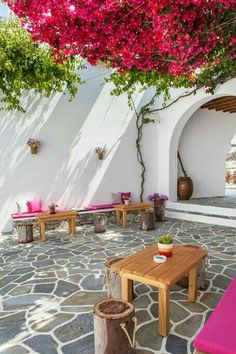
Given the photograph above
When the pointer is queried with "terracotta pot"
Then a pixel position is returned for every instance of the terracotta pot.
(185, 188)
(164, 249)
(127, 202)
(52, 210)
(100, 155)
(34, 149)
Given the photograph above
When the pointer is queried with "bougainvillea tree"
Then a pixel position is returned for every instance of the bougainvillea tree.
(26, 65)
(173, 37)
(152, 43)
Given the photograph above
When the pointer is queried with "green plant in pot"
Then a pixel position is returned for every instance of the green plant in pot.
(165, 245)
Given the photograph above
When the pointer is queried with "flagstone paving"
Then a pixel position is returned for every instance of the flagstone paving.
(47, 290)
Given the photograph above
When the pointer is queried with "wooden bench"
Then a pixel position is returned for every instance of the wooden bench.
(218, 336)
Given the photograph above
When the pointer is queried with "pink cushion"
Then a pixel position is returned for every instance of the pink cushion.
(218, 334)
(22, 215)
(125, 194)
(99, 206)
(16, 216)
(34, 205)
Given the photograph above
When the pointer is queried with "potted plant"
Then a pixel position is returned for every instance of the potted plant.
(127, 200)
(159, 205)
(33, 144)
(100, 151)
(52, 208)
(165, 245)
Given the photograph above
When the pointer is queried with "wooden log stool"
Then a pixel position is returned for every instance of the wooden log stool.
(99, 222)
(201, 272)
(113, 280)
(146, 220)
(25, 232)
(114, 327)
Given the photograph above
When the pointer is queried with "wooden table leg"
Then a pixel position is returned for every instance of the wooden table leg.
(70, 225)
(125, 222)
(73, 227)
(42, 231)
(118, 217)
(192, 284)
(127, 289)
(164, 312)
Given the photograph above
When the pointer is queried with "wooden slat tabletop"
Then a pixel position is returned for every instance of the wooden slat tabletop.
(59, 214)
(132, 206)
(141, 264)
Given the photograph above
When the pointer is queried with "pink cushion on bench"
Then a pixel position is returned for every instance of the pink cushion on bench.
(26, 215)
(16, 216)
(218, 334)
(99, 206)
(34, 205)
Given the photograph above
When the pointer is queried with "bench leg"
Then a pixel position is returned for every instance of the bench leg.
(192, 285)
(127, 289)
(125, 222)
(164, 312)
(42, 231)
(73, 227)
(70, 226)
(118, 217)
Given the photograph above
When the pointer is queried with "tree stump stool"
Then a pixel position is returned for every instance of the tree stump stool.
(99, 222)
(146, 220)
(25, 233)
(114, 327)
(113, 280)
(201, 272)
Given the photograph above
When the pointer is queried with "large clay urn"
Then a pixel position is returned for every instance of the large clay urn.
(185, 188)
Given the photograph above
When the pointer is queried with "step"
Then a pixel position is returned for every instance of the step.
(202, 213)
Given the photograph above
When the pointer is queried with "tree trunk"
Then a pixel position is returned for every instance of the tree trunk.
(25, 233)
(114, 327)
(146, 220)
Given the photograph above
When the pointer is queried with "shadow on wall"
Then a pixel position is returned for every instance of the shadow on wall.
(53, 121)
(66, 169)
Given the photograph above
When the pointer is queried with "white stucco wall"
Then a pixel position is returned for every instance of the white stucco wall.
(66, 169)
(203, 146)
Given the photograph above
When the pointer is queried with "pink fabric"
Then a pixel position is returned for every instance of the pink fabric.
(125, 194)
(16, 216)
(34, 205)
(218, 334)
(27, 215)
(99, 206)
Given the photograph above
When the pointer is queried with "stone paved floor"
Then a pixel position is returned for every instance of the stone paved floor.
(48, 289)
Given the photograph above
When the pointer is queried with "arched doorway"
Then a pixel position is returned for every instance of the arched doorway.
(204, 143)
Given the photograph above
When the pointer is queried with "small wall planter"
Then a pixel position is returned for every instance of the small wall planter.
(33, 144)
(101, 152)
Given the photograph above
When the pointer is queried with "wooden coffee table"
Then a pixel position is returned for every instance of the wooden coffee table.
(141, 267)
(122, 209)
(69, 215)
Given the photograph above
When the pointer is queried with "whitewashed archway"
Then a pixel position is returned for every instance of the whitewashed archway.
(172, 123)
